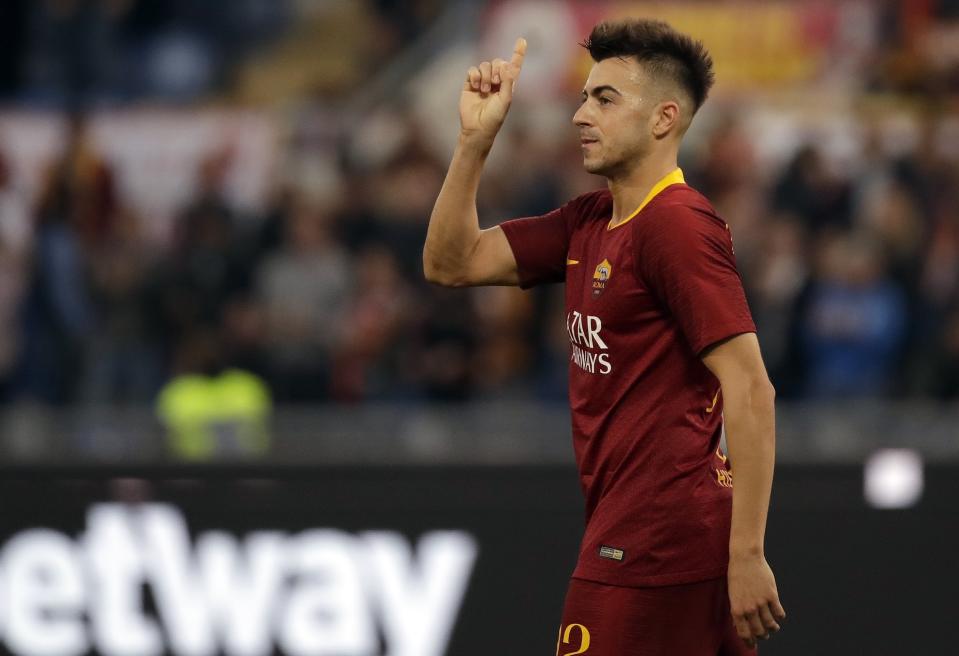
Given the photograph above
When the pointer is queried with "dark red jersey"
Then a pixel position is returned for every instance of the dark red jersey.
(643, 300)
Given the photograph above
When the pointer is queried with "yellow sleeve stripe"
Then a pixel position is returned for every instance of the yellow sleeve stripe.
(569, 262)
(715, 398)
(675, 177)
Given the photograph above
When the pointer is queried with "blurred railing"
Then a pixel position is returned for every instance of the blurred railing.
(477, 433)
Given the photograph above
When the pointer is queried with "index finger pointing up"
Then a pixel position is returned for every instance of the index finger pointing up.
(519, 53)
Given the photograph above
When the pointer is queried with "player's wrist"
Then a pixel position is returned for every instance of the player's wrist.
(745, 551)
(476, 141)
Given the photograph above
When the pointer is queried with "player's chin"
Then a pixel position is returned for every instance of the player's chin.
(594, 166)
(590, 161)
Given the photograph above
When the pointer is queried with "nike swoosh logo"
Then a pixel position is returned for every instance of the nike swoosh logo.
(571, 262)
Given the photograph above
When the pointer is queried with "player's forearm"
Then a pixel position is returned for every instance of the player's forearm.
(454, 224)
(749, 416)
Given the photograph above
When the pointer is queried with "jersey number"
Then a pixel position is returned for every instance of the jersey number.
(564, 639)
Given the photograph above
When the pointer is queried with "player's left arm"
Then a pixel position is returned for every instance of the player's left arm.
(749, 417)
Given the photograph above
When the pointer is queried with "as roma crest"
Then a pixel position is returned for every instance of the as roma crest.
(603, 271)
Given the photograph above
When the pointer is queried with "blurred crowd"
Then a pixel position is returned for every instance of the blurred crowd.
(87, 53)
(853, 278)
(852, 273)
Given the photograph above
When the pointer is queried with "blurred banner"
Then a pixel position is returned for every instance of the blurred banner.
(756, 45)
(161, 158)
(416, 561)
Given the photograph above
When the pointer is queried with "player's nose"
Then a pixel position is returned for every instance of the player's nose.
(581, 117)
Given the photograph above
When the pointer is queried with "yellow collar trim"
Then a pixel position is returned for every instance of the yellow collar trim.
(674, 177)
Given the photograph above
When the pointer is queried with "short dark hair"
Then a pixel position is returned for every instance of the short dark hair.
(661, 49)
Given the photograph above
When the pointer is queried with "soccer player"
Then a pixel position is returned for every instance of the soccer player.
(663, 351)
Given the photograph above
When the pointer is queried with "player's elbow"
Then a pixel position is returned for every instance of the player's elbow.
(762, 392)
(753, 392)
(766, 387)
(439, 275)
(432, 271)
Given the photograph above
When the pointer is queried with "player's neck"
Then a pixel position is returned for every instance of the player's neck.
(630, 189)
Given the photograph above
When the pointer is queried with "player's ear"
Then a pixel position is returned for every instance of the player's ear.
(666, 117)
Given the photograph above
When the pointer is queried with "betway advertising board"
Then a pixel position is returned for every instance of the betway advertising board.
(319, 591)
(331, 563)
(419, 561)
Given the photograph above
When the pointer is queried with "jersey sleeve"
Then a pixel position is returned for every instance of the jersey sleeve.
(539, 244)
(685, 258)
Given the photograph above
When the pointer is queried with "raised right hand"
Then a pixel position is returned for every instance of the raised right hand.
(487, 94)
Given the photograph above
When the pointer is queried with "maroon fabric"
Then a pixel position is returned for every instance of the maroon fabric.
(642, 301)
(678, 620)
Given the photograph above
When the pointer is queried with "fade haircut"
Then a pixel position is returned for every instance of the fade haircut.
(663, 52)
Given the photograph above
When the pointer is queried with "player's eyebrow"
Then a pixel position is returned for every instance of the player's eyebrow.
(600, 89)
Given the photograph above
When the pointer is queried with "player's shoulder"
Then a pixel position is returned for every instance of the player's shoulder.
(591, 206)
(680, 206)
(679, 197)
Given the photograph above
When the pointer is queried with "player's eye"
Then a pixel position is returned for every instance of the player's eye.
(603, 100)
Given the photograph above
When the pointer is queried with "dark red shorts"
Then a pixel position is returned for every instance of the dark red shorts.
(676, 620)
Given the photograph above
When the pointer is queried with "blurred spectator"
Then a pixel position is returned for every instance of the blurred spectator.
(439, 360)
(809, 190)
(209, 411)
(503, 353)
(304, 289)
(375, 321)
(944, 369)
(203, 272)
(854, 322)
(528, 190)
(16, 235)
(401, 199)
(123, 362)
(926, 172)
(777, 281)
(75, 208)
(242, 332)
